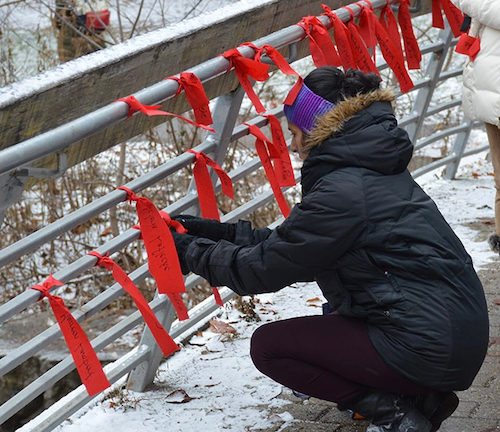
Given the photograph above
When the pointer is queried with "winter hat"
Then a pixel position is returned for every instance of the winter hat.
(305, 108)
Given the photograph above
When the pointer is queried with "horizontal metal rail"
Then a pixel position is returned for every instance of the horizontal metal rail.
(56, 140)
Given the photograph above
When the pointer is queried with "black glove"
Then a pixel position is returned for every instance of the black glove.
(182, 242)
(208, 228)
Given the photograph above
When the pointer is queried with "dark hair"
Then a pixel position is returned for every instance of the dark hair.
(334, 85)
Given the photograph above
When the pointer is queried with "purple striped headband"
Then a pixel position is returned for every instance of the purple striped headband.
(304, 109)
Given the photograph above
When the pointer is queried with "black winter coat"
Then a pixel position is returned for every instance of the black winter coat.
(377, 246)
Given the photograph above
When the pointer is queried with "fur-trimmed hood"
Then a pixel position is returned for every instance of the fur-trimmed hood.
(333, 121)
(362, 132)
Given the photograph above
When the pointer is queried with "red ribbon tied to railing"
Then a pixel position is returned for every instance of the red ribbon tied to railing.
(283, 165)
(362, 57)
(454, 16)
(152, 110)
(164, 340)
(267, 150)
(195, 95)
(206, 192)
(392, 56)
(341, 35)
(245, 67)
(163, 261)
(87, 364)
(412, 50)
(321, 45)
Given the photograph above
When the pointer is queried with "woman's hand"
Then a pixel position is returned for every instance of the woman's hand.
(207, 228)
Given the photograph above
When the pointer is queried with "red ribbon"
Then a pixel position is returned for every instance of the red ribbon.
(162, 256)
(152, 110)
(164, 340)
(392, 56)
(388, 21)
(358, 48)
(245, 67)
(206, 192)
(282, 165)
(412, 50)
(469, 46)
(453, 15)
(274, 55)
(195, 95)
(87, 364)
(266, 150)
(367, 27)
(341, 34)
(321, 45)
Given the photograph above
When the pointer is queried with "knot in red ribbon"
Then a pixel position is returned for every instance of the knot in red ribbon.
(252, 67)
(321, 45)
(151, 110)
(135, 105)
(195, 95)
(245, 67)
(45, 287)
(102, 260)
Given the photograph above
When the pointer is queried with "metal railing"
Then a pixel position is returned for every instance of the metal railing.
(142, 362)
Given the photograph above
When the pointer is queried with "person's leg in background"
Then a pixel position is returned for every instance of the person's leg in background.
(494, 141)
(332, 358)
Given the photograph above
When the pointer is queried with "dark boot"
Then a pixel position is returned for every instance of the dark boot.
(390, 413)
(437, 407)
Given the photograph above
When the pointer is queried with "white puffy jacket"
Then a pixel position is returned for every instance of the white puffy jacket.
(481, 80)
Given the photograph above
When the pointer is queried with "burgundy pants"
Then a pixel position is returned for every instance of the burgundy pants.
(329, 357)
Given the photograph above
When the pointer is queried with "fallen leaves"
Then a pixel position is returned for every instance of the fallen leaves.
(178, 396)
(221, 327)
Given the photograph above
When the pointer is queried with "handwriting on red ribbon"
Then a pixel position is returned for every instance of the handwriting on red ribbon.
(341, 38)
(87, 364)
(282, 165)
(413, 54)
(162, 256)
(453, 15)
(469, 46)
(362, 57)
(164, 340)
(195, 95)
(392, 56)
(152, 110)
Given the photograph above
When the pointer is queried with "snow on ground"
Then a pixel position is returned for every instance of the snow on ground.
(212, 385)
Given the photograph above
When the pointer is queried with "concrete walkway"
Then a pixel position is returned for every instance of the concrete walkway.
(479, 409)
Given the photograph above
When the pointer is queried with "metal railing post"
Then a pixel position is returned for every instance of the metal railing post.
(225, 116)
(458, 150)
(424, 95)
(11, 189)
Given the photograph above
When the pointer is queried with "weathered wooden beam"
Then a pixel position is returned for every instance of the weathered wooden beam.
(41, 103)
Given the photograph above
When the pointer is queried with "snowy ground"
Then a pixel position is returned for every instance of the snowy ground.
(212, 385)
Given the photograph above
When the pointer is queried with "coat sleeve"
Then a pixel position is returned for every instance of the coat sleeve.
(487, 12)
(246, 235)
(316, 233)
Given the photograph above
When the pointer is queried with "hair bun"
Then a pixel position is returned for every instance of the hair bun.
(356, 82)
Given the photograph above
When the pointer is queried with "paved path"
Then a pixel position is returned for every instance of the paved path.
(479, 409)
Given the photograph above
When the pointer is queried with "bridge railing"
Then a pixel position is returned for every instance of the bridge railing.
(141, 363)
